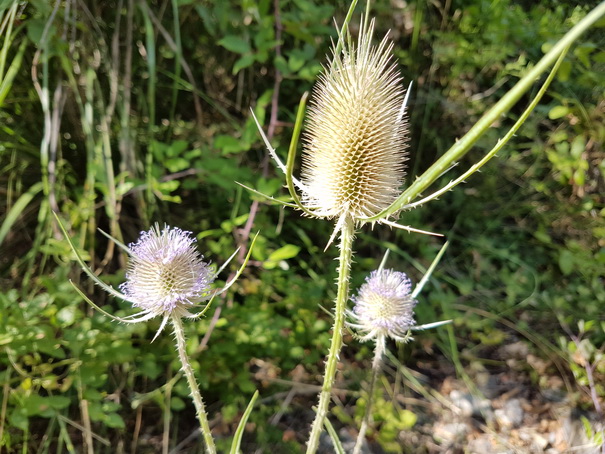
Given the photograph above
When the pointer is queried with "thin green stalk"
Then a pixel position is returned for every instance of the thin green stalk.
(376, 364)
(3, 408)
(178, 55)
(151, 90)
(347, 235)
(64, 436)
(200, 409)
(7, 21)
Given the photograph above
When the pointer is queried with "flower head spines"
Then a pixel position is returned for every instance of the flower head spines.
(354, 154)
(166, 274)
(384, 306)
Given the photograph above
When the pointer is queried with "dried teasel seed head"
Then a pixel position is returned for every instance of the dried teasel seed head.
(354, 153)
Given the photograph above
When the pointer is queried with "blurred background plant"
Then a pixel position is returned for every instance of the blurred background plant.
(120, 113)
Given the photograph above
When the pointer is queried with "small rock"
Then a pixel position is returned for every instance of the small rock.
(517, 350)
(554, 395)
(488, 384)
(346, 439)
(575, 431)
(539, 442)
(511, 415)
(470, 405)
(480, 445)
(462, 402)
(450, 432)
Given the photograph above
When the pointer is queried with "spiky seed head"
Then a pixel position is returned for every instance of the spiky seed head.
(166, 274)
(354, 151)
(384, 306)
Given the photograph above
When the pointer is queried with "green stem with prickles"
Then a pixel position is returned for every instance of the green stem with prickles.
(200, 409)
(376, 365)
(346, 254)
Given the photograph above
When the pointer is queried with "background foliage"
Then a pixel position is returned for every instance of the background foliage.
(121, 113)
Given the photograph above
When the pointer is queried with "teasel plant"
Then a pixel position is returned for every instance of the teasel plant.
(167, 277)
(384, 309)
(354, 153)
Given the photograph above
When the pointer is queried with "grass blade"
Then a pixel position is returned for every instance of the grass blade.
(237, 438)
(17, 209)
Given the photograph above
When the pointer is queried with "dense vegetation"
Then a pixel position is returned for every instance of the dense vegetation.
(121, 113)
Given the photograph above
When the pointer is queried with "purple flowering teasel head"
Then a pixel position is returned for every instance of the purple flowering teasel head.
(384, 307)
(166, 275)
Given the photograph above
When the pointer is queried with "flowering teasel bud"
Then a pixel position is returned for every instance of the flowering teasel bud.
(166, 275)
(384, 307)
(354, 153)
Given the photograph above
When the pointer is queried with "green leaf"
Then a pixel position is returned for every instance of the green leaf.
(92, 394)
(235, 44)
(94, 374)
(6, 339)
(228, 225)
(227, 144)
(268, 186)
(122, 351)
(295, 63)
(298, 58)
(35, 30)
(281, 65)
(599, 57)
(149, 367)
(566, 262)
(58, 402)
(177, 404)
(578, 146)
(564, 71)
(176, 164)
(51, 349)
(67, 316)
(4, 4)
(114, 420)
(36, 405)
(243, 62)
(19, 419)
(558, 112)
(283, 253)
(176, 148)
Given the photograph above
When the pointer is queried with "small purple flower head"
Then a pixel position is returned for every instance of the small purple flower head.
(166, 274)
(384, 306)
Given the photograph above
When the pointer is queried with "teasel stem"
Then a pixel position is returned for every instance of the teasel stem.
(200, 409)
(376, 366)
(347, 234)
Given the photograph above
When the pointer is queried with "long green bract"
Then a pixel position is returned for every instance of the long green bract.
(461, 147)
